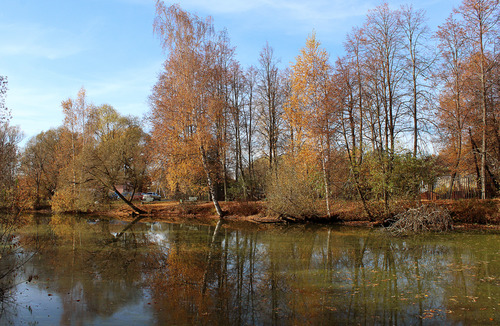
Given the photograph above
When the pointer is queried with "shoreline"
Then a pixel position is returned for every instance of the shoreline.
(345, 213)
(486, 212)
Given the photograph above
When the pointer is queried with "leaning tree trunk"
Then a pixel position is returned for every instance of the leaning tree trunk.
(128, 202)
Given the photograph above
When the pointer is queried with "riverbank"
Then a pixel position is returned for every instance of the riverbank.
(466, 214)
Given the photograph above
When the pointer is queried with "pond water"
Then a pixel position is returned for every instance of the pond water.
(87, 272)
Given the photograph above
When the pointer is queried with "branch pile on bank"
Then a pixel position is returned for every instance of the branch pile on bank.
(421, 219)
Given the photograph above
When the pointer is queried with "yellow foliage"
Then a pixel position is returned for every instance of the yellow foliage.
(68, 199)
(309, 111)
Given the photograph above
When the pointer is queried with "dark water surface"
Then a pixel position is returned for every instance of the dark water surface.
(90, 273)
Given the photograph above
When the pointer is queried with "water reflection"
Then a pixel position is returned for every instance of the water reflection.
(158, 273)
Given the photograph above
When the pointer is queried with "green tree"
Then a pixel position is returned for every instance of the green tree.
(115, 152)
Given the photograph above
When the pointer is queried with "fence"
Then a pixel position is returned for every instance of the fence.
(464, 187)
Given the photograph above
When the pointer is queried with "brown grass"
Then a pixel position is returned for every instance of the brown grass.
(482, 212)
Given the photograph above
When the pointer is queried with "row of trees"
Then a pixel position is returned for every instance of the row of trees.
(76, 166)
(358, 127)
(10, 137)
(321, 128)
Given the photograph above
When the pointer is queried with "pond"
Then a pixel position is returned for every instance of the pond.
(91, 272)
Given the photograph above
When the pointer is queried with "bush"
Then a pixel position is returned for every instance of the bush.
(67, 200)
(475, 211)
(243, 208)
(294, 193)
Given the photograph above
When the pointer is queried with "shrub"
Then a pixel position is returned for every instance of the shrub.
(68, 200)
(243, 208)
(293, 192)
(475, 211)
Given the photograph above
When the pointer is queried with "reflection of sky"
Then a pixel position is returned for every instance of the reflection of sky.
(45, 309)
(158, 235)
(48, 309)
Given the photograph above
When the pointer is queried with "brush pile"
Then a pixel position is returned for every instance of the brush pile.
(421, 219)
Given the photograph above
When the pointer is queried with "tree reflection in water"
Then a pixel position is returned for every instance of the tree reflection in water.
(92, 276)
(227, 274)
(296, 275)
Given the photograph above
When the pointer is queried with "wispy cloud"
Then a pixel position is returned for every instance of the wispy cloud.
(128, 91)
(315, 9)
(39, 41)
(37, 107)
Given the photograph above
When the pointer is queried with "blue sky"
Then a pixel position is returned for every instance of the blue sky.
(49, 49)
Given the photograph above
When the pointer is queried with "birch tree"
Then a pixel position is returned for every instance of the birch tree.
(187, 108)
(270, 104)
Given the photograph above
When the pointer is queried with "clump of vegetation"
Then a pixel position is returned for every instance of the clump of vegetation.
(69, 200)
(475, 211)
(243, 208)
(293, 193)
(421, 219)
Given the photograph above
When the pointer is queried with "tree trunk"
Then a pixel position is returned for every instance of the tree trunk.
(211, 187)
(128, 202)
(474, 152)
(325, 179)
(210, 256)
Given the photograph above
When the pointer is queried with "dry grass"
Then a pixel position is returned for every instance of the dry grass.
(470, 212)
(243, 208)
(475, 211)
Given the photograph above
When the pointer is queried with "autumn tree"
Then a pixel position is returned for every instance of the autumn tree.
(73, 193)
(115, 152)
(237, 101)
(249, 125)
(187, 104)
(419, 61)
(43, 158)
(385, 73)
(481, 21)
(357, 89)
(270, 103)
(310, 110)
(102, 149)
(453, 115)
(383, 35)
(10, 137)
(344, 84)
